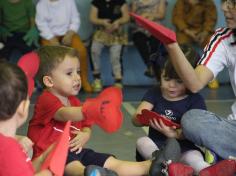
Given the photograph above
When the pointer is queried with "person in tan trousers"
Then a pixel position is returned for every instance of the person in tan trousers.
(195, 21)
(58, 22)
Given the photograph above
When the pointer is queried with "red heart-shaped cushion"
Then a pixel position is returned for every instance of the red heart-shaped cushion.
(111, 115)
(105, 110)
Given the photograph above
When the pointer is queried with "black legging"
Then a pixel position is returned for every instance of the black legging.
(146, 45)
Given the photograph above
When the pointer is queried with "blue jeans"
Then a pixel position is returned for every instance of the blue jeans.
(206, 129)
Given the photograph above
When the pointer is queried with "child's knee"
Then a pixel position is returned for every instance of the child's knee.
(143, 141)
(74, 168)
(190, 117)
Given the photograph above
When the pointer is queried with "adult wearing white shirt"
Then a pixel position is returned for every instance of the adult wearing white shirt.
(58, 22)
(202, 127)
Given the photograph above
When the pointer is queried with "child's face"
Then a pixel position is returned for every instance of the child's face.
(172, 89)
(65, 77)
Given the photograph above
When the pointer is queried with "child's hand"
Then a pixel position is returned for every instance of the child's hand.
(77, 143)
(161, 127)
(145, 15)
(191, 33)
(26, 143)
(149, 16)
(4, 33)
(67, 39)
(54, 41)
(115, 25)
(32, 37)
(201, 37)
(106, 23)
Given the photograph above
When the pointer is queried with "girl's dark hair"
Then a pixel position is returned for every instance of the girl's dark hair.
(13, 89)
(50, 57)
(169, 70)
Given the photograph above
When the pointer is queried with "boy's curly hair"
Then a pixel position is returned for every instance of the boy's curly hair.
(13, 89)
(50, 57)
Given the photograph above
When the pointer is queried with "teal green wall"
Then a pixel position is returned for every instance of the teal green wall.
(86, 28)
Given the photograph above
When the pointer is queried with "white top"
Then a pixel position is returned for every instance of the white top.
(220, 53)
(55, 18)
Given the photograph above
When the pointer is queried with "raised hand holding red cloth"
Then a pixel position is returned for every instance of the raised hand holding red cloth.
(162, 33)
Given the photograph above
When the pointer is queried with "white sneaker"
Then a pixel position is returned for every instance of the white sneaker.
(97, 85)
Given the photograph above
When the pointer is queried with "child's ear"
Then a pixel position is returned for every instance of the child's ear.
(23, 110)
(26, 104)
(47, 81)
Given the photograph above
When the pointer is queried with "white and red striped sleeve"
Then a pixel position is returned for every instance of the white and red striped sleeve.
(215, 53)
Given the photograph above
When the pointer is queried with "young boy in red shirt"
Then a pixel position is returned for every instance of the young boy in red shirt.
(14, 107)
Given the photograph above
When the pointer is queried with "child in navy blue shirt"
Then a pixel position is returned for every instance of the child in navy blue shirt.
(172, 100)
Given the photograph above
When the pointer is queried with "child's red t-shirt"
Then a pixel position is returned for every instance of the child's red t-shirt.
(43, 128)
(13, 159)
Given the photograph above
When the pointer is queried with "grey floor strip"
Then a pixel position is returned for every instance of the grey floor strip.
(131, 110)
